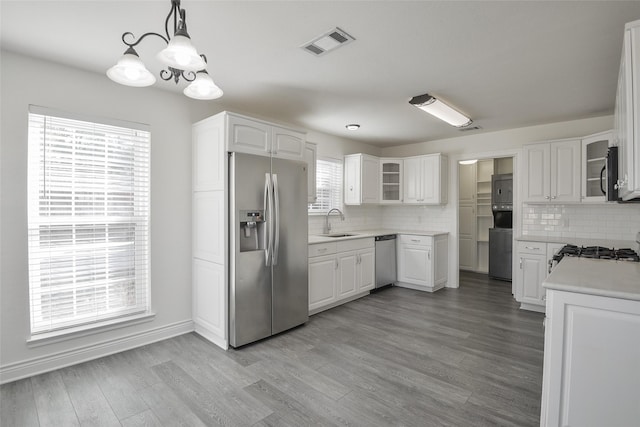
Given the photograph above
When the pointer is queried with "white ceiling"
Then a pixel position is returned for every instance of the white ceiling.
(505, 64)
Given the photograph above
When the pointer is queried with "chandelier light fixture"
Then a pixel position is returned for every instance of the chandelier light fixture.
(180, 56)
(439, 109)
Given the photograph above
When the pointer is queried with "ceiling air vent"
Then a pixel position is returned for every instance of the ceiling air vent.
(468, 128)
(327, 42)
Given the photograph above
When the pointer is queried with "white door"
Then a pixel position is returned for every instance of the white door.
(565, 171)
(366, 270)
(347, 274)
(310, 157)
(248, 136)
(467, 177)
(287, 144)
(412, 180)
(467, 237)
(536, 172)
(322, 281)
(532, 272)
(430, 180)
(352, 180)
(370, 179)
(413, 266)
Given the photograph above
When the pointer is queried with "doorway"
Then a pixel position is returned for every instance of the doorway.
(475, 216)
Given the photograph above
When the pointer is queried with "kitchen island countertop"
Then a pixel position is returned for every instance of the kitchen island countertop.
(608, 278)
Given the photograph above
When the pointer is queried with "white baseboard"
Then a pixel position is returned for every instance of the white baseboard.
(38, 365)
(337, 303)
(221, 342)
(420, 287)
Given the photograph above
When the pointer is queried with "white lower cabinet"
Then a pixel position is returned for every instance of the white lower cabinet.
(591, 354)
(422, 262)
(534, 260)
(340, 272)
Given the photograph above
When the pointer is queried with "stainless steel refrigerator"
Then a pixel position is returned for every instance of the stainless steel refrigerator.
(268, 231)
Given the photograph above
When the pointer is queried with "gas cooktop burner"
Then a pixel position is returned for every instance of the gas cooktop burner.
(597, 252)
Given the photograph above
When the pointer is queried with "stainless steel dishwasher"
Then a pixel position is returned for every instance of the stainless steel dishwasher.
(385, 260)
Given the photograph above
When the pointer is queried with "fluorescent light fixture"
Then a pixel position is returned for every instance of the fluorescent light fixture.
(468, 162)
(353, 126)
(440, 110)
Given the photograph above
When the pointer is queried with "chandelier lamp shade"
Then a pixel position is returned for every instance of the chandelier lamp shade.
(439, 109)
(180, 56)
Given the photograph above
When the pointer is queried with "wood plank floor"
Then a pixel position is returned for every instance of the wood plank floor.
(458, 357)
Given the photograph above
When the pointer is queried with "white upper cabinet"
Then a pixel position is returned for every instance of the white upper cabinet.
(255, 137)
(594, 159)
(391, 181)
(361, 179)
(287, 143)
(552, 172)
(627, 118)
(310, 155)
(425, 180)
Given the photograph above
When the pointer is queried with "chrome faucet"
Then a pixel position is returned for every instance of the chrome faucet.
(327, 226)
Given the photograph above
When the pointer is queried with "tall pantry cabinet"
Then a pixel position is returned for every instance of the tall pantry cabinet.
(212, 139)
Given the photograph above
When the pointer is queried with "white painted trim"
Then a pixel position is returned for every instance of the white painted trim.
(419, 287)
(47, 338)
(338, 303)
(211, 336)
(38, 365)
(516, 154)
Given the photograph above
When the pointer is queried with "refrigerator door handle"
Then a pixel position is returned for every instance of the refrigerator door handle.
(267, 216)
(276, 216)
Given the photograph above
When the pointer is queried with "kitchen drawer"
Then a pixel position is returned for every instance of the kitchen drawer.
(355, 244)
(320, 249)
(532, 248)
(412, 239)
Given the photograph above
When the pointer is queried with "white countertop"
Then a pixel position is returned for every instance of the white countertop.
(359, 234)
(616, 279)
(578, 241)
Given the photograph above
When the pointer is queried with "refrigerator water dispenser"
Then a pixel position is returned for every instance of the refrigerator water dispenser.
(251, 227)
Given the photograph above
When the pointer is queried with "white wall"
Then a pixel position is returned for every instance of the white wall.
(27, 81)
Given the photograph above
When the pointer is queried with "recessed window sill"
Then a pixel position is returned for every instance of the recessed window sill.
(47, 338)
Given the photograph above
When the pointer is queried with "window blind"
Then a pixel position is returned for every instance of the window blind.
(88, 221)
(328, 186)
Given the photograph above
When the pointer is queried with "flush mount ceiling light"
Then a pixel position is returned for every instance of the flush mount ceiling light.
(353, 126)
(180, 57)
(440, 110)
(468, 162)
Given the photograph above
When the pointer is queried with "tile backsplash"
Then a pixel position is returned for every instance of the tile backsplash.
(355, 218)
(427, 218)
(598, 221)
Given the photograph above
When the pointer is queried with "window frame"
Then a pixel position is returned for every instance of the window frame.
(334, 200)
(136, 138)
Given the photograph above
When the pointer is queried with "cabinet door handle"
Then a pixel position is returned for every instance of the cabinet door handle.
(429, 254)
(415, 240)
(336, 263)
(550, 265)
(532, 248)
(520, 263)
(322, 250)
(546, 197)
(554, 197)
